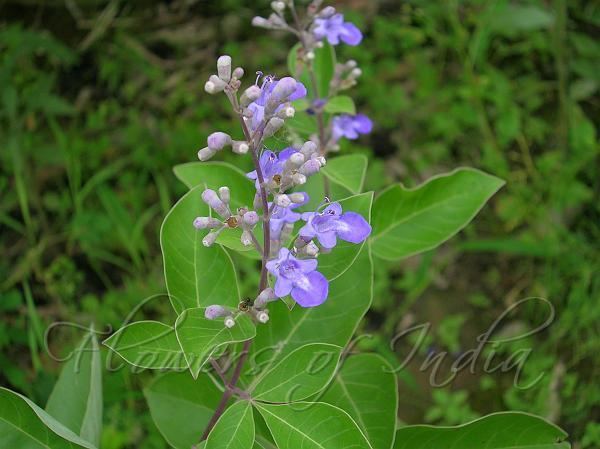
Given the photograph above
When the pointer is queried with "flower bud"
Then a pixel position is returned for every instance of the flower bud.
(297, 197)
(210, 238)
(214, 85)
(286, 112)
(308, 149)
(262, 316)
(351, 63)
(249, 95)
(310, 55)
(272, 126)
(224, 67)
(298, 179)
(282, 200)
(310, 167)
(356, 72)
(229, 322)
(216, 141)
(205, 154)
(246, 238)
(311, 249)
(206, 223)
(240, 146)
(225, 194)
(264, 297)
(250, 218)
(278, 6)
(277, 21)
(327, 12)
(321, 160)
(296, 159)
(285, 87)
(215, 311)
(238, 72)
(261, 22)
(210, 197)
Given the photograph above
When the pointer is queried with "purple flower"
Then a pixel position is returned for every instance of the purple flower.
(282, 215)
(297, 277)
(350, 126)
(266, 96)
(326, 226)
(271, 164)
(335, 29)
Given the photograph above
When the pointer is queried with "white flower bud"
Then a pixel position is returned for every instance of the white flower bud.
(261, 22)
(327, 12)
(308, 149)
(206, 223)
(356, 72)
(298, 179)
(310, 167)
(246, 238)
(215, 84)
(282, 200)
(351, 63)
(224, 67)
(272, 126)
(311, 249)
(217, 140)
(238, 72)
(286, 112)
(295, 160)
(319, 44)
(225, 194)
(278, 6)
(250, 218)
(262, 317)
(229, 322)
(215, 311)
(310, 55)
(240, 146)
(210, 239)
(249, 95)
(205, 154)
(210, 87)
(297, 197)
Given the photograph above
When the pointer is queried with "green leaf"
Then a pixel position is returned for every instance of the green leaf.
(234, 429)
(24, 425)
(148, 344)
(323, 66)
(76, 400)
(342, 104)
(509, 18)
(316, 191)
(366, 389)
(410, 221)
(333, 322)
(335, 263)
(181, 406)
(348, 171)
(302, 373)
(200, 337)
(309, 425)
(195, 275)
(213, 175)
(507, 430)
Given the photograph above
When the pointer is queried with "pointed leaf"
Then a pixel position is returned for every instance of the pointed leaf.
(410, 221)
(148, 344)
(507, 430)
(366, 389)
(199, 337)
(181, 406)
(341, 104)
(347, 171)
(24, 425)
(76, 400)
(312, 426)
(195, 275)
(234, 429)
(302, 373)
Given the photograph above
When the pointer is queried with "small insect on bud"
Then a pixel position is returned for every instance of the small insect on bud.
(249, 95)
(210, 239)
(246, 238)
(216, 141)
(250, 218)
(205, 154)
(272, 126)
(298, 179)
(297, 197)
(239, 146)
(206, 223)
(262, 316)
(224, 67)
(225, 194)
(215, 311)
(310, 167)
(238, 72)
(229, 322)
(311, 249)
(282, 200)
(278, 6)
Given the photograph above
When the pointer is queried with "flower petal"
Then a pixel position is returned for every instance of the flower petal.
(312, 291)
(283, 287)
(350, 34)
(333, 209)
(307, 265)
(353, 228)
(327, 239)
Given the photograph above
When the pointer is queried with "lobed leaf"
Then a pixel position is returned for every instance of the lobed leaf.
(506, 430)
(410, 221)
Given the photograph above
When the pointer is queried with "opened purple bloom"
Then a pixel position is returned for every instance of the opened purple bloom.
(335, 29)
(271, 164)
(297, 277)
(282, 215)
(350, 126)
(330, 224)
(258, 107)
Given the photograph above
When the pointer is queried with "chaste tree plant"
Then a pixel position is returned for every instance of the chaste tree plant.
(274, 370)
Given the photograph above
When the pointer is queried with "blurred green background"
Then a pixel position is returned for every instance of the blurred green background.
(99, 99)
